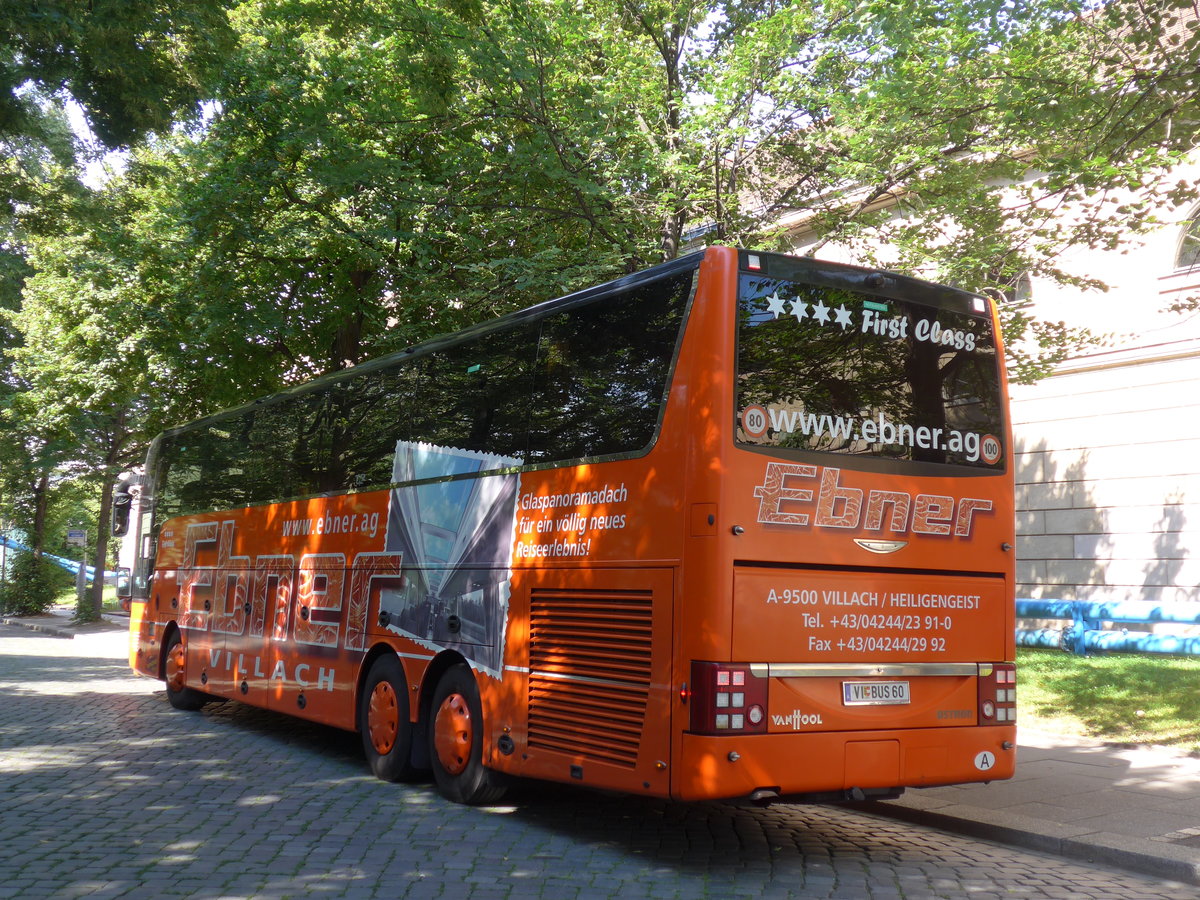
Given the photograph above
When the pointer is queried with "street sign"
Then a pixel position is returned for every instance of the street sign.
(76, 537)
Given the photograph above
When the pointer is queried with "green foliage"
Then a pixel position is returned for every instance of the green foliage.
(968, 141)
(381, 172)
(368, 174)
(426, 170)
(109, 604)
(132, 64)
(32, 585)
(1118, 697)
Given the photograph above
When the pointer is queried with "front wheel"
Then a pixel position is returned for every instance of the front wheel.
(456, 741)
(383, 721)
(175, 675)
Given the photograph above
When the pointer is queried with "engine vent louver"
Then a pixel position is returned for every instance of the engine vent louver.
(589, 679)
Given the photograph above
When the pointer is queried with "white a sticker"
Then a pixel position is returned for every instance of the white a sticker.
(985, 760)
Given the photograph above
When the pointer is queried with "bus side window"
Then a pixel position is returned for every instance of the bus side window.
(602, 373)
(372, 413)
(482, 388)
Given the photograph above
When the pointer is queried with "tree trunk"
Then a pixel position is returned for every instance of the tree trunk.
(99, 561)
(41, 502)
(90, 610)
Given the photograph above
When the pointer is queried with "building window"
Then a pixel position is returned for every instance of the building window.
(1018, 294)
(1187, 256)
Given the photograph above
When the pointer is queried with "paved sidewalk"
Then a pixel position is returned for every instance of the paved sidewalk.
(58, 622)
(1134, 807)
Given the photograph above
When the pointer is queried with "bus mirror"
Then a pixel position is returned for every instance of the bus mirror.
(124, 584)
(122, 501)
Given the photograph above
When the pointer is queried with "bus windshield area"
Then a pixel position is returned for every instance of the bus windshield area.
(829, 369)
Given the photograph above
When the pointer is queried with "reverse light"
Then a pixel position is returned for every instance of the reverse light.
(727, 698)
(997, 693)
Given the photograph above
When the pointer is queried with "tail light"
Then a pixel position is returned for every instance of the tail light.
(997, 693)
(727, 698)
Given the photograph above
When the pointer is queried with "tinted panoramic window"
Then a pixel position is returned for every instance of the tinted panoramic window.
(602, 372)
(476, 394)
(833, 370)
(582, 382)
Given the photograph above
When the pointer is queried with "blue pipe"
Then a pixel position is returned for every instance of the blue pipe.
(1137, 642)
(1084, 634)
(71, 565)
(1043, 638)
(1115, 611)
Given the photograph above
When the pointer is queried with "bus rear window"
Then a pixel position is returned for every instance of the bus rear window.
(830, 369)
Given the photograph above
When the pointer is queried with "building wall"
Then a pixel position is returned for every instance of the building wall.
(1108, 480)
(1108, 448)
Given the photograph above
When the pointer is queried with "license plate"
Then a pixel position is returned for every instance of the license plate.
(875, 693)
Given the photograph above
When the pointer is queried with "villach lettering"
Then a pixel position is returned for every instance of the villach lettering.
(606, 494)
(301, 675)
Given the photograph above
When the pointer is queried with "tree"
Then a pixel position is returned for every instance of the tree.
(393, 195)
(38, 180)
(969, 141)
(96, 385)
(31, 587)
(438, 163)
(370, 174)
(133, 65)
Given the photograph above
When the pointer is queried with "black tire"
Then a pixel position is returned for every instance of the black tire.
(174, 673)
(383, 722)
(456, 741)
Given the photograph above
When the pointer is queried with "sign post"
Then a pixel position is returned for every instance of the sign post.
(3, 564)
(77, 537)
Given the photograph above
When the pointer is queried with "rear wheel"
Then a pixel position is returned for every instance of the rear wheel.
(456, 741)
(383, 721)
(175, 675)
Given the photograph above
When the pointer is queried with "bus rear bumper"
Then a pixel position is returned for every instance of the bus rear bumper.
(144, 635)
(840, 765)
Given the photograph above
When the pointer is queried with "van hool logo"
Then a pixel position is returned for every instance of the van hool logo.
(800, 495)
(796, 720)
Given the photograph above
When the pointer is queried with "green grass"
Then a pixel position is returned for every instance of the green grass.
(1118, 697)
(66, 597)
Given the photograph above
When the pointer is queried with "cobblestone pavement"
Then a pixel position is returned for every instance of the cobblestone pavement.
(105, 791)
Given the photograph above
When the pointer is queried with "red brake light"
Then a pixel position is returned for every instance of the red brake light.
(997, 694)
(727, 698)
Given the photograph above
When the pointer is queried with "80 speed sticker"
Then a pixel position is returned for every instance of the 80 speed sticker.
(754, 421)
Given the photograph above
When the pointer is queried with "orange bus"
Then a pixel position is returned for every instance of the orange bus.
(739, 525)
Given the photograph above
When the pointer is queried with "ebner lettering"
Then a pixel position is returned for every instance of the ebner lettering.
(812, 496)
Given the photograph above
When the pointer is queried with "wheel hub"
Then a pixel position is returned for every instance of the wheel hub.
(383, 718)
(452, 734)
(175, 667)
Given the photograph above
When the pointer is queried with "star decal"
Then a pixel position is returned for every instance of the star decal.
(843, 316)
(775, 305)
(799, 310)
(821, 312)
